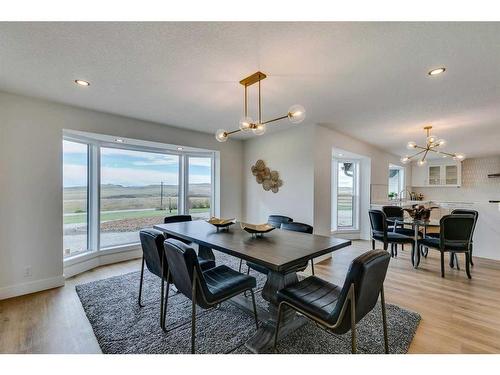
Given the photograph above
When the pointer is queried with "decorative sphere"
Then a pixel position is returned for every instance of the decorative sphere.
(246, 123)
(296, 114)
(221, 135)
(411, 145)
(259, 129)
(421, 162)
(405, 159)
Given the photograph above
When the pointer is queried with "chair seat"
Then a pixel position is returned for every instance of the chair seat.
(265, 270)
(432, 235)
(393, 237)
(312, 295)
(223, 281)
(405, 231)
(450, 246)
(206, 264)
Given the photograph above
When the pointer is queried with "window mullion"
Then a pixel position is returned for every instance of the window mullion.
(94, 194)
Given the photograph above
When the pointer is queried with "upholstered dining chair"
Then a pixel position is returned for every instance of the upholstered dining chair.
(453, 256)
(299, 227)
(455, 236)
(277, 220)
(380, 232)
(153, 256)
(396, 211)
(177, 219)
(336, 308)
(205, 289)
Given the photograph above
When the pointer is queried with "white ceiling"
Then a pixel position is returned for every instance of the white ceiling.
(368, 80)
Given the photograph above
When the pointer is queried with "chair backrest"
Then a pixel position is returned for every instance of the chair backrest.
(463, 211)
(378, 221)
(393, 211)
(183, 265)
(456, 229)
(177, 219)
(277, 220)
(152, 250)
(367, 274)
(297, 227)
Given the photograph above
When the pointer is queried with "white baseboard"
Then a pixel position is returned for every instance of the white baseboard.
(31, 287)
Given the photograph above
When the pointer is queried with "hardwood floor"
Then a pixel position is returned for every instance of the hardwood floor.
(458, 315)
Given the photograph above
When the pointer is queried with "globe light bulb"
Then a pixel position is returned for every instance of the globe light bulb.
(259, 129)
(405, 159)
(411, 145)
(246, 123)
(296, 114)
(441, 142)
(421, 162)
(459, 157)
(221, 135)
(431, 139)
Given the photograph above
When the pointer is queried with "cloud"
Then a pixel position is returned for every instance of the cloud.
(136, 177)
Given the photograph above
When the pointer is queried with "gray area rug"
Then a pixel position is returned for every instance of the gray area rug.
(121, 326)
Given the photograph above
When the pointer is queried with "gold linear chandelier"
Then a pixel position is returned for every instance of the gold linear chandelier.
(432, 144)
(296, 113)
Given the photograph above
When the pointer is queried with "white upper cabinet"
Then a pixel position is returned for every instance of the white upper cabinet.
(437, 173)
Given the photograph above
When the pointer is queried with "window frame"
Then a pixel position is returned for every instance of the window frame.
(94, 185)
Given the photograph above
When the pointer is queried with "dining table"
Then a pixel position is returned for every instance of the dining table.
(281, 252)
(416, 224)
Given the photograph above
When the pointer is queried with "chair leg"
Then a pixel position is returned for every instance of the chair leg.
(353, 328)
(452, 260)
(396, 250)
(467, 264)
(140, 283)
(373, 244)
(254, 309)
(456, 261)
(312, 266)
(413, 254)
(193, 317)
(241, 264)
(280, 311)
(164, 327)
(417, 252)
(386, 245)
(384, 320)
(392, 250)
(470, 256)
(161, 295)
(442, 263)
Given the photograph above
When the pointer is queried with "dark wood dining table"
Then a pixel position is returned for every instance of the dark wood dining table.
(280, 251)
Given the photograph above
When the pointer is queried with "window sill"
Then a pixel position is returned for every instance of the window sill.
(344, 231)
(86, 261)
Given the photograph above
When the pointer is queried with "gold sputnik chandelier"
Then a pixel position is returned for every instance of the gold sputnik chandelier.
(432, 145)
(296, 113)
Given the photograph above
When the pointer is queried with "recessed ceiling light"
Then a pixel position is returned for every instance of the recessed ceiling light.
(435, 72)
(180, 148)
(119, 140)
(81, 82)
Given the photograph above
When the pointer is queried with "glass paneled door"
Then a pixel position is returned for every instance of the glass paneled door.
(199, 178)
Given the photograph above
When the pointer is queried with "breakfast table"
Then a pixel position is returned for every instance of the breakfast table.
(416, 225)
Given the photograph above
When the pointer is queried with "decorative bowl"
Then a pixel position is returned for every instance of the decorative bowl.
(221, 223)
(256, 229)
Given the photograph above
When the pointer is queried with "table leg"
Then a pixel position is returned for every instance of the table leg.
(205, 252)
(416, 262)
(290, 321)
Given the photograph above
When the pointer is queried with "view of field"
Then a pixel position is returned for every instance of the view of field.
(127, 209)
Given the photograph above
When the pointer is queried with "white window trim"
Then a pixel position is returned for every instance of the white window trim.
(94, 189)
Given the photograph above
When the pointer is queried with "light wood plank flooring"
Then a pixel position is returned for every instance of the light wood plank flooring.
(458, 315)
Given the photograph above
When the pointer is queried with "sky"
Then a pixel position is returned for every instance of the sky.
(130, 168)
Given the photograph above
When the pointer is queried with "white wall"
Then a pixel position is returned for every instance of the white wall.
(303, 156)
(290, 153)
(476, 191)
(31, 181)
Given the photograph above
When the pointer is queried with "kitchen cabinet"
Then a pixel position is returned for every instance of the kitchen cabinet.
(437, 173)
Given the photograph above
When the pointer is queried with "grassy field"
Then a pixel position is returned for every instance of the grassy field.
(139, 214)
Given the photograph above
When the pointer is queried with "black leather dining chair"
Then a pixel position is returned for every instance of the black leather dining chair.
(453, 256)
(380, 232)
(177, 219)
(206, 289)
(396, 211)
(299, 227)
(455, 237)
(277, 220)
(336, 308)
(153, 256)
